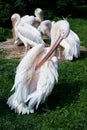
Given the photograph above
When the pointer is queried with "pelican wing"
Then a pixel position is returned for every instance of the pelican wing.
(28, 19)
(24, 39)
(71, 46)
(48, 76)
(29, 32)
(33, 29)
(24, 75)
(26, 67)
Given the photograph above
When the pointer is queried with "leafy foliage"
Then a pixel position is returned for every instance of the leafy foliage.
(20, 6)
(5, 11)
(51, 9)
(5, 33)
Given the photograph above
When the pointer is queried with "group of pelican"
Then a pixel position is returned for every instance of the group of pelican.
(37, 72)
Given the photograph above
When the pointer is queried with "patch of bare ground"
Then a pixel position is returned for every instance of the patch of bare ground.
(12, 50)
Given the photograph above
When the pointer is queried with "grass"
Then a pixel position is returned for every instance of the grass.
(65, 108)
(79, 26)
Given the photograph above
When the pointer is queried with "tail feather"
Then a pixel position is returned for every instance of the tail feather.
(22, 108)
(34, 100)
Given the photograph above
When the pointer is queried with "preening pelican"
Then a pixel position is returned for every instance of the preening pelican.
(32, 20)
(37, 73)
(69, 48)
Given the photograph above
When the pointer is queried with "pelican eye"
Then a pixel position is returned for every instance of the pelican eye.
(63, 33)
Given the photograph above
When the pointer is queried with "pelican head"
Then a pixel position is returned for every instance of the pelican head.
(59, 31)
(14, 18)
(59, 28)
(45, 27)
(39, 14)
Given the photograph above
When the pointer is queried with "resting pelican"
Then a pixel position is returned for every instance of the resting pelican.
(37, 73)
(45, 27)
(32, 20)
(28, 34)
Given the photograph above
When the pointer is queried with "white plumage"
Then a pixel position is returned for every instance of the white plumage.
(32, 85)
(71, 46)
(33, 20)
(28, 34)
(45, 27)
(20, 21)
(37, 73)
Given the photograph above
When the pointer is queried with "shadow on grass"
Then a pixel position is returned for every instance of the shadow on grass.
(83, 54)
(4, 109)
(62, 95)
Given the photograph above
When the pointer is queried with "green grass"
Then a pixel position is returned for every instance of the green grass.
(65, 108)
(80, 27)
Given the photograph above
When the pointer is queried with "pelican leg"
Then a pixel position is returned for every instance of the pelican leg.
(26, 49)
(60, 53)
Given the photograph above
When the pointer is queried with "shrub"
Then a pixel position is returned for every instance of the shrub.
(5, 33)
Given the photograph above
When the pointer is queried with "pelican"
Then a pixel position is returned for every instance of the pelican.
(28, 34)
(37, 73)
(39, 17)
(45, 27)
(32, 20)
(69, 47)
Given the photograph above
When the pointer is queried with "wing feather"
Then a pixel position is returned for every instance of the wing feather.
(31, 33)
(45, 84)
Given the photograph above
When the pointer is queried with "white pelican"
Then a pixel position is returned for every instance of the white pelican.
(69, 47)
(28, 34)
(37, 73)
(45, 27)
(32, 20)
(39, 17)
